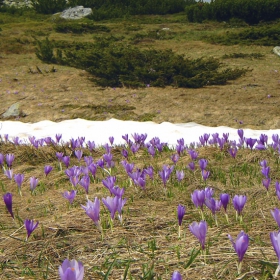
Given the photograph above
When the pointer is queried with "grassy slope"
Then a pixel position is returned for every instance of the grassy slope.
(147, 242)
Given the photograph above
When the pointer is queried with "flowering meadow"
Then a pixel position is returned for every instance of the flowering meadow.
(141, 210)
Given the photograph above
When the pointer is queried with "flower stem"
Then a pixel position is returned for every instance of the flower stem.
(239, 267)
(277, 271)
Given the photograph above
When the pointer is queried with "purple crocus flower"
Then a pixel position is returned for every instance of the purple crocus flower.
(66, 161)
(180, 175)
(165, 173)
(30, 226)
(198, 198)
(88, 160)
(263, 163)
(240, 246)
(112, 205)
(111, 140)
(202, 140)
(275, 138)
(151, 151)
(19, 179)
(78, 154)
(108, 158)
(140, 181)
(277, 189)
(84, 182)
(209, 192)
(266, 183)
(58, 137)
(240, 133)
(9, 173)
(8, 199)
(121, 203)
(221, 142)
(125, 153)
(203, 163)
(175, 158)
(224, 197)
(9, 159)
(134, 148)
(193, 154)
(33, 183)
(176, 276)
(74, 180)
(265, 171)
(205, 174)
(191, 166)
(250, 142)
(2, 159)
(275, 240)
(239, 203)
(117, 191)
(276, 215)
(93, 211)
(199, 230)
(47, 169)
(233, 152)
(180, 213)
(100, 163)
(91, 145)
(213, 205)
(149, 171)
(59, 156)
(260, 147)
(70, 195)
(180, 149)
(109, 182)
(206, 137)
(71, 270)
(92, 168)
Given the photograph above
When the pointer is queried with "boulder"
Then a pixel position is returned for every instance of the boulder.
(276, 50)
(13, 111)
(76, 12)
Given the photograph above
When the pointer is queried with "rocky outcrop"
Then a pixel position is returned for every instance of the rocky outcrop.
(18, 3)
(70, 13)
(76, 12)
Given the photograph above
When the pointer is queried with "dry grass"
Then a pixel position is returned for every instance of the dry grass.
(149, 232)
(147, 241)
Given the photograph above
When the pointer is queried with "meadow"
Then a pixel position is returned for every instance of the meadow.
(139, 185)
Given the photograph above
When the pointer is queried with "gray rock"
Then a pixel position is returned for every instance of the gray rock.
(276, 50)
(13, 111)
(76, 12)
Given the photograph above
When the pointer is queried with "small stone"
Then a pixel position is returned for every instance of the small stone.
(13, 111)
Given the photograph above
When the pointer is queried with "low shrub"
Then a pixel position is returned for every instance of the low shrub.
(250, 11)
(49, 6)
(243, 55)
(266, 35)
(78, 28)
(45, 51)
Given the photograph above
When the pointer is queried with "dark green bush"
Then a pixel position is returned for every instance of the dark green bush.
(78, 28)
(266, 35)
(106, 9)
(49, 6)
(45, 51)
(251, 11)
(116, 65)
(243, 55)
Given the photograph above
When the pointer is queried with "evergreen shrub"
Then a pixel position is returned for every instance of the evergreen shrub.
(251, 11)
(114, 64)
(48, 6)
(78, 28)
